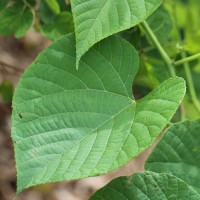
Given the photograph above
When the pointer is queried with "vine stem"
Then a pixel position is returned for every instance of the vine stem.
(26, 4)
(187, 59)
(162, 52)
(171, 65)
(190, 82)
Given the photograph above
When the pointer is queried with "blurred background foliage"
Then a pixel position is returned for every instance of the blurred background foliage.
(176, 24)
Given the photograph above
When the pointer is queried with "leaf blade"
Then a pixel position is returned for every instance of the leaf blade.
(147, 186)
(80, 119)
(96, 20)
(181, 157)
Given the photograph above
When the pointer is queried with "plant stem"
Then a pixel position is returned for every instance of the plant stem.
(190, 82)
(162, 52)
(187, 59)
(186, 66)
(27, 4)
(171, 65)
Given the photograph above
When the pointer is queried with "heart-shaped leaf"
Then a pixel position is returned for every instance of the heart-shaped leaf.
(70, 124)
(97, 19)
(178, 153)
(147, 186)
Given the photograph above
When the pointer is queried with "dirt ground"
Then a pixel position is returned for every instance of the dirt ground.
(15, 56)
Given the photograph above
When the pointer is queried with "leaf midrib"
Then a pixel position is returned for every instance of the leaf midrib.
(52, 94)
(132, 102)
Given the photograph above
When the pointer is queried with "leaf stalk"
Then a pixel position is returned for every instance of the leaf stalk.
(190, 82)
(187, 59)
(161, 50)
(185, 62)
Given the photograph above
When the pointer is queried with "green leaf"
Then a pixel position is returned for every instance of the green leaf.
(53, 5)
(6, 91)
(146, 186)
(178, 153)
(3, 4)
(95, 20)
(69, 124)
(15, 19)
(60, 26)
(161, 24)
(46, 15)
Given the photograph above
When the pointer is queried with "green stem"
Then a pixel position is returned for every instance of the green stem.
(186, 66)
(187, 59)
(26, 4)
(190, 82)
(162, 52)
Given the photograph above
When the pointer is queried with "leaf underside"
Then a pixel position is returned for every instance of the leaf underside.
(69, 124)
(95, 20)
(147, 186)
(178, 153)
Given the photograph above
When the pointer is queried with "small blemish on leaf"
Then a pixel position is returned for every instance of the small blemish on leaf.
(20, 116)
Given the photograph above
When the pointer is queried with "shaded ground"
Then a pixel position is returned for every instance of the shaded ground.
(15, 56)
